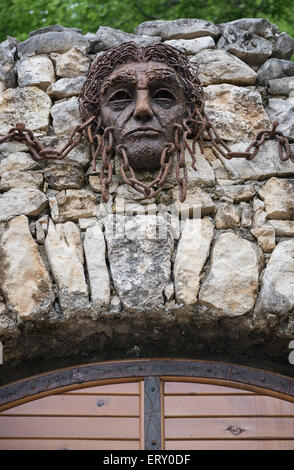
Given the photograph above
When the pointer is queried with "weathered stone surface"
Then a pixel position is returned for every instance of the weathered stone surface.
(7, 50)
(197, 203)
(278, 196)
(230, 288)
(227, 216)
(37, 70)
(79, 154)
(275, 68)
(265, 164)
(281, 86)
(17, 201)
(282, 111)
(217, 66)
(29, 105)
(71, 64)
(65, 88)
(265, 235)
(63, 175)
(85, 223)
(192, 46)
(25, 280)
(52, 41)
(19, 179)
(259, 26)
(277, 295)
(182, 28)
(283, 228)
(108, 37)
(249, 47)
(236, 112)
(95, 184)
(54, 28)
(95, 253)
(18, 161)
(192, 252)
(246, 216)
(7, 76)
(140, 259)
(66, 116)
(237, 192)
(12, 146)
(283, 48)
(64, 250)
(76, 204)
(204, 176)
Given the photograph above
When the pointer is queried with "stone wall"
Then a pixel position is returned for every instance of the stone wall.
(165, 283)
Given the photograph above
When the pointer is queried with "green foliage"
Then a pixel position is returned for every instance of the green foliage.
(19, 17)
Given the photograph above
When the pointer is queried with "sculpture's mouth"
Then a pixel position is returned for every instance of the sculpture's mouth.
(143, 132)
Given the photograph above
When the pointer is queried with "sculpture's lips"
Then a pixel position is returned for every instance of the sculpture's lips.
(143, 131)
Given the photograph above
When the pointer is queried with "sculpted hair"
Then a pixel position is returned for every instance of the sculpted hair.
(128, 52)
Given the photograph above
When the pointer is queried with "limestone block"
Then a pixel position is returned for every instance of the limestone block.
(282, 111)
(249, 47)
(236, 112)
(283, 228)
(95, 253)
(19, 179)
(28, 104)
(197, 203)
(278, 196)
(107, 38)
(218, 66)
(139, 252)
(182, 28)
(275, 68)
(282, 86)
(74, 204)
(283, 47)
(227, 216)
(72, 64)
(63, 175)
(25, 280)
(17, 201)
(65, 88)
(276, 294)
(18, 161)
(64, 250)
(51, 41)
(231, 286)
(192, 252)
(259, 26)
(66, 116)
(265, 164)
(192, 46)
(37, 70)
(265, 235)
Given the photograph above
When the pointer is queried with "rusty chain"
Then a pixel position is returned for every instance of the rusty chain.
(104, 145)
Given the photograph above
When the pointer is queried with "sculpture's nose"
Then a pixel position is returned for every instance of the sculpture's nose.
(143, 111)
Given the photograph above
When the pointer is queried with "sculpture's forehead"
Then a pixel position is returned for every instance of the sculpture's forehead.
(141, 72)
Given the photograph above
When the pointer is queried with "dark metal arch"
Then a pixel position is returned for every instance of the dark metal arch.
(230, 375)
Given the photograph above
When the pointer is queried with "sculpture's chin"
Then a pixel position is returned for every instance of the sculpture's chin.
(145, 155)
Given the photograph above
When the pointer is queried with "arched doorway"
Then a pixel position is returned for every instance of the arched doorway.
(149, 404)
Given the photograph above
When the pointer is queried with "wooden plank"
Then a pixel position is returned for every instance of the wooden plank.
(219, 428)
(230, 445)
(67, 444)
(82, 405)
(125, 388)
(188, 405)
(60, 427)
(193, 388)
(152, 413)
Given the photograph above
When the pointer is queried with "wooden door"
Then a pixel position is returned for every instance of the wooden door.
(155, 409)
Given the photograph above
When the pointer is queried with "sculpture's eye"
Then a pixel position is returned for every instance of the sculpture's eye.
(120, 99)
(164, 97)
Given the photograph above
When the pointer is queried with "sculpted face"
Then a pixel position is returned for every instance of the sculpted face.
(143, 101)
